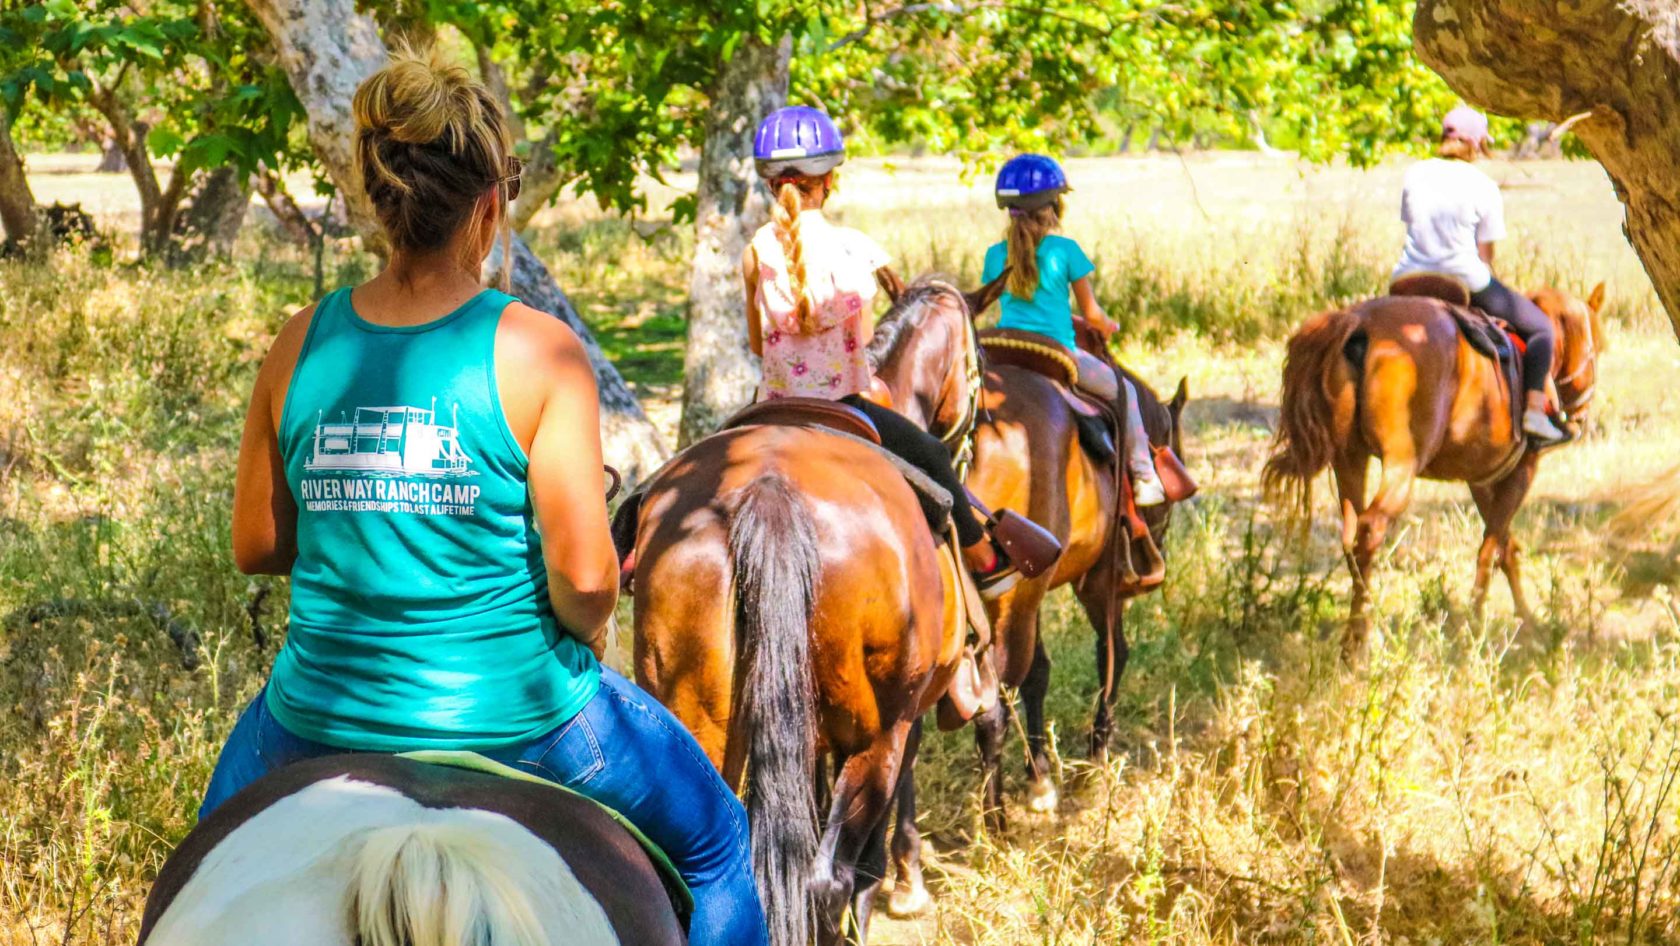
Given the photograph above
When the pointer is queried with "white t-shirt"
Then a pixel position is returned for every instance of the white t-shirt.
(1449, 207)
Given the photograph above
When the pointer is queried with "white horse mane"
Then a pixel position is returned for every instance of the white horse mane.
(350, 863)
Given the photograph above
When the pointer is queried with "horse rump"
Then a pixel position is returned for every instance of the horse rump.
(1323, 355)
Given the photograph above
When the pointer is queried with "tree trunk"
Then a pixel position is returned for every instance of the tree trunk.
(719, 374)
(327, 49)
(1617, 60)
(212, 220)
(290, 216)
(17, 201)
(111, 160)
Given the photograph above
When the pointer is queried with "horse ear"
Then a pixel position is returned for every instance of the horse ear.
(1180, 398)
(981, 299)
(1595, 300)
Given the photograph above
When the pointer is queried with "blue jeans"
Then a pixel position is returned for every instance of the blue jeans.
(624, 750)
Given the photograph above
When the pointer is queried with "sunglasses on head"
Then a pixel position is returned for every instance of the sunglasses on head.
(515, 168)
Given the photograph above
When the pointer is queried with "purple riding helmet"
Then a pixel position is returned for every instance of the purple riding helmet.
(797, 140)
(1030, 181)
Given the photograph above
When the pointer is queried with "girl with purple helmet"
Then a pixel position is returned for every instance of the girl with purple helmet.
(1454, 214)
(1044, 267)
(810, 290)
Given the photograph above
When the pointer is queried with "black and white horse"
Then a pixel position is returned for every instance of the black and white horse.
(377, 850)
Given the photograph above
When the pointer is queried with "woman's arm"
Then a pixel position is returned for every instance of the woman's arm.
(1091, 309)
(264, 512)
(1484, 249)
(749, 280)
(553, 408)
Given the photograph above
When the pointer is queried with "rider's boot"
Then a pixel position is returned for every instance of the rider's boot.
(994, 574)
(1538, 423)
(1147, 489)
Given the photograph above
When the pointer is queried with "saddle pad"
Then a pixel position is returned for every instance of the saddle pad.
(1031, 351)
(682, 898)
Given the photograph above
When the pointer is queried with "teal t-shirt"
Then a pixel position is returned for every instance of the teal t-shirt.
(1061, 263)
(420, 616)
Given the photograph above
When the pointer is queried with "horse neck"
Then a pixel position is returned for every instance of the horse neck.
(1574, 366)
(925, 374)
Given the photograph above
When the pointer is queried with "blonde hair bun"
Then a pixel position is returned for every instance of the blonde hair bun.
(430, 140)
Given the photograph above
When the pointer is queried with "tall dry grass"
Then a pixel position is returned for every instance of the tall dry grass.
(1474, 783)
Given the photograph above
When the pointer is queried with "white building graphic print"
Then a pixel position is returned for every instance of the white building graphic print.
(403, 441)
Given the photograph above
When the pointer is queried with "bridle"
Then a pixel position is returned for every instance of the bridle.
(959, 437)
(1589, 358)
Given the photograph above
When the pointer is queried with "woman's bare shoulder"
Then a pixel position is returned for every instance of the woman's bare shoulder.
(537, 341)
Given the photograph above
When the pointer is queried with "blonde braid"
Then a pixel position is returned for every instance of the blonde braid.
(784, 214)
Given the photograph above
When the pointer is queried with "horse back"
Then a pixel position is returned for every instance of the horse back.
(308, 813)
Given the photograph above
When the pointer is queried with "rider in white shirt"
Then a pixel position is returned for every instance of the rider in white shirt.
(1454, 214)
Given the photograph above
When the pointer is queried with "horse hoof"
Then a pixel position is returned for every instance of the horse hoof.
(1042, 798)
(907, 903)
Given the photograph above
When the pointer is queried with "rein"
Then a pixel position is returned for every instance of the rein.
(959, 439)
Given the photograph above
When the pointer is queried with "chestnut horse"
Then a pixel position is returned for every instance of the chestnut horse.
(776, 647)
(1027, 458)
(1394, 378)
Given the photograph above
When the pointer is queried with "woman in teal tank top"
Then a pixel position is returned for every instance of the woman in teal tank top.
(422, 456)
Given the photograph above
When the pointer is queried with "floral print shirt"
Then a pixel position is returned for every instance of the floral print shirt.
(840, 265)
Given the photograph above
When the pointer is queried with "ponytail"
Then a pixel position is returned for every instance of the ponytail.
(784, 215)
(1027, 229)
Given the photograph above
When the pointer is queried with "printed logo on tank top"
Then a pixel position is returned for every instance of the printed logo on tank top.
(388, 460)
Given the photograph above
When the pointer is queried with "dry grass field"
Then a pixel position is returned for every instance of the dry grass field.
(1473, 783)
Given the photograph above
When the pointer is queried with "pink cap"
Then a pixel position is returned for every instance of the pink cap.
(1465, 124)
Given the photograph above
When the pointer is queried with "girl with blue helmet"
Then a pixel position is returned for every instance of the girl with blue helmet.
(810, 291)
(1044, 268)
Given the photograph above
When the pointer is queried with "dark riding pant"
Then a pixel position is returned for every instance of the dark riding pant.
(622, 749)
(922, 450)
(1531, 324)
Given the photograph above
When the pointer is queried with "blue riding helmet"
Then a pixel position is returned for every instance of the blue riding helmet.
(1030, 181)
(799, 140)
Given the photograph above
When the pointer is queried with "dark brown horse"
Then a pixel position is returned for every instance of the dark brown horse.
(1395, 379)
(777, 648)
(1027, 458)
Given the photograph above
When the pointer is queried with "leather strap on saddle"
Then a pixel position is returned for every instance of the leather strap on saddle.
(1032, 548)
(806, 412)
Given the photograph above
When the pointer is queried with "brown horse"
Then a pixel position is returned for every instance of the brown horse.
(1394, 378)
(776, 648)
(1027, 458)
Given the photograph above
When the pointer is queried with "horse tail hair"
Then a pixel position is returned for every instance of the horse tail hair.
(773, 547)
(1305, 442)
(1647, 507)
(435, 883)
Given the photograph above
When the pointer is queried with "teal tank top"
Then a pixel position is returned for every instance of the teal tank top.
(420, 616)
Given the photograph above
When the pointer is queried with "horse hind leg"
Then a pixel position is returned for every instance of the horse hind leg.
(854, 832)
(1394, 493)
(909, 896)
